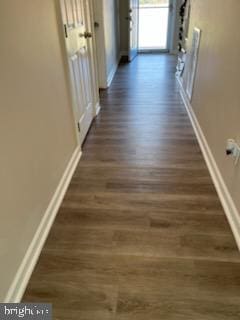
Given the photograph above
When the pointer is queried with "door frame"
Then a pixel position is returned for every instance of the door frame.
(94, 68)
(130, 57)
(173, 27)
(93, 65)
(100, 43)
(170, 32)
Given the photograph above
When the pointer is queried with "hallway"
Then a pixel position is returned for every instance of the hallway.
(141, 233)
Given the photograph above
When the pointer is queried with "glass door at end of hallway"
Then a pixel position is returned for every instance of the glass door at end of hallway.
(153, 25)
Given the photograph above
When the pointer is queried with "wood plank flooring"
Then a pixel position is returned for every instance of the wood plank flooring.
(141, 233)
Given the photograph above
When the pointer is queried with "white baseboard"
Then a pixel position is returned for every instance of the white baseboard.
(97, 109)
(30, 259)
(228, 204)
(111, 75)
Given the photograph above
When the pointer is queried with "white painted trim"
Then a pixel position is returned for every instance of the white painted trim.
(97, 109)
(228, 204)
(112, 74)
(171, 25)
(30, 259)
(98, 13)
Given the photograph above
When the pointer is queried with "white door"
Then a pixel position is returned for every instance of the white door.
(75, 14)
(133, 29)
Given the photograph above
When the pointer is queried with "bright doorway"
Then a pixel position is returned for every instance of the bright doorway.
(153, 25)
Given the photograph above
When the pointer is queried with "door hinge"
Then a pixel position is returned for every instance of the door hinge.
(79, 128)
(65, 31)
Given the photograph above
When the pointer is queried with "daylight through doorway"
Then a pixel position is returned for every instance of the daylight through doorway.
(153, 24)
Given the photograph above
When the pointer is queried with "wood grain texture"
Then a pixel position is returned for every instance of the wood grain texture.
(141, 233)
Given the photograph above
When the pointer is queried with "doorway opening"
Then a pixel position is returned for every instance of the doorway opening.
(153, 25)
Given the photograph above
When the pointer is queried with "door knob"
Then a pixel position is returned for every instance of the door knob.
(85, 35)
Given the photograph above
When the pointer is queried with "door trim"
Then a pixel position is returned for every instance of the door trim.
(93, 60)
(130, 51)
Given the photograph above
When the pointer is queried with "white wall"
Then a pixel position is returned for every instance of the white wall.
(37, 131)
(216, 94)
(107, 39)
(100, 43)
(111, 27)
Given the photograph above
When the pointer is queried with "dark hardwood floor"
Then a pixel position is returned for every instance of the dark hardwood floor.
(141, 234)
